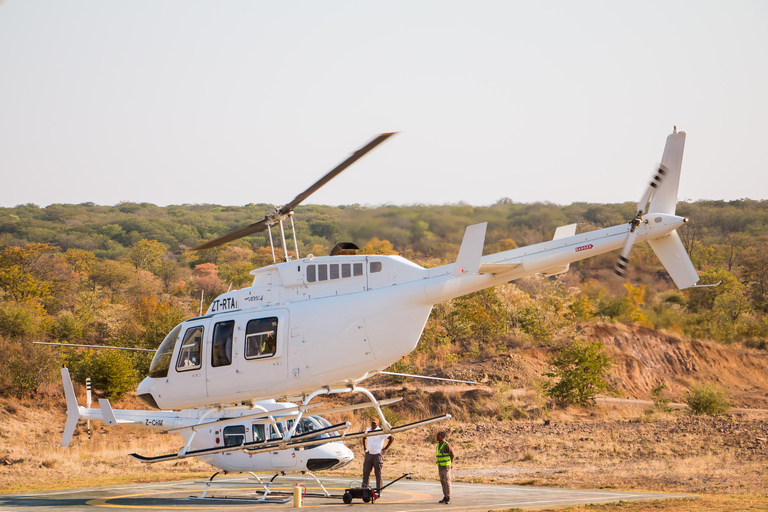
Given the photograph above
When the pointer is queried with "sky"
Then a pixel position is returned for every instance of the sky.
(236, 102)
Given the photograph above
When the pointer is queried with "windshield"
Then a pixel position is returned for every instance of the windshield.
(162, 360)
(324, 423)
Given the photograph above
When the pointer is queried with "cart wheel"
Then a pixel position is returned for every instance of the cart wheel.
(366, 499)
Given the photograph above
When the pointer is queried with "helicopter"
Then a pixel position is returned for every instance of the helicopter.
(240, 440)
(315, 325)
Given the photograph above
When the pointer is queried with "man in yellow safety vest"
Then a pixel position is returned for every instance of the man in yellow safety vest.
(444, 459)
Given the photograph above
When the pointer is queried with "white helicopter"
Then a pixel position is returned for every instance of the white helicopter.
(246, 439)
(320, 325)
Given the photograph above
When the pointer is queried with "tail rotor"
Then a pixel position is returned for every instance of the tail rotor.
(642, 209)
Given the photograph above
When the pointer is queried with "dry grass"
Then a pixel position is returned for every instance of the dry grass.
(31, 457)
(615, 446)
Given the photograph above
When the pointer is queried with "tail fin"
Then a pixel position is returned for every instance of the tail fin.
(665, 196)
(73, 410)
(669, 248)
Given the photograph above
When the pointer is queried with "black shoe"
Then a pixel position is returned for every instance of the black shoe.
(442, 501)
(447, 500)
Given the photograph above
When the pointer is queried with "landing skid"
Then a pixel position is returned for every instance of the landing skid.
(265, 489)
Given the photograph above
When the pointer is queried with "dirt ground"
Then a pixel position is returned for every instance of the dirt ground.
(502, 431)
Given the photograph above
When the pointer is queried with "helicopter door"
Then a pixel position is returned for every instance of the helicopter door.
(264, 363)
(189, 370)
(281, 458)
(222, 359)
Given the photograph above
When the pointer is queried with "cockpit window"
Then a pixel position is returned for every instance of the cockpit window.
(190, 355)
(261, 338)
(222, 343)
(162, 360)
(375, 266)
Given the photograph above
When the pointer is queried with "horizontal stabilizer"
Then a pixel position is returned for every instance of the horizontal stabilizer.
(564, 231)
(107, 414)
(561, 232)
(671, 253)
(471, 251)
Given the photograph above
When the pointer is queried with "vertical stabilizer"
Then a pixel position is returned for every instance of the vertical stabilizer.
(665, 196)
(73, 410)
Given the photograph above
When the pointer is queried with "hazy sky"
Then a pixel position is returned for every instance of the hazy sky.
(233, 102)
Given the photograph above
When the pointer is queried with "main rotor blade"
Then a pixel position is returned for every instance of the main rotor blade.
(263, 223)
(234, 235)
(354, 157)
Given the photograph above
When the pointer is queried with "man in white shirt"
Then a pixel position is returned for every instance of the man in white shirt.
(374, 453)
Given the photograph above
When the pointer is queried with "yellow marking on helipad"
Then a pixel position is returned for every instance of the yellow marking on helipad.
(104, 502)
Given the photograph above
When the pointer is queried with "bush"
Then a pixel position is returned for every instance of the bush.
(659, 402)
(580, 370)
(18, 320)
(707, 399)
(111, 371)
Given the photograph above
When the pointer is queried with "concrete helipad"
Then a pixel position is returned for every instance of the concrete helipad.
(405, 495)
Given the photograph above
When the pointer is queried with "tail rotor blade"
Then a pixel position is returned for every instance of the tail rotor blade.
(656, 180)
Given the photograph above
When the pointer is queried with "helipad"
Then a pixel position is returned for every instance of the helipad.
(405, 495)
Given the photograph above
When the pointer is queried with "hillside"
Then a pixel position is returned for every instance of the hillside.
(643, 359)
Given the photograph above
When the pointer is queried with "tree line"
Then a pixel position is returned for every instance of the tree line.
(122, 275)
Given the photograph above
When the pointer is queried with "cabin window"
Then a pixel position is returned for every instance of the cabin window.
(334, 270)
(162, 360)
(191, 350)
(322, 272)
(311, 275)
(261, 338)
(276, 434)
(222, 343)
(358, 269)
(258, 433)
(234, 435)
(346, 270)
(375, 267)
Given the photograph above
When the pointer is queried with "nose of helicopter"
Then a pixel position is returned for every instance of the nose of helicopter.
(333, 456)
(144, 393)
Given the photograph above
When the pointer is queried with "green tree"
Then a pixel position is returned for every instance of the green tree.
(579, 371)
(17, 272)
(376, 246)
(146, 254)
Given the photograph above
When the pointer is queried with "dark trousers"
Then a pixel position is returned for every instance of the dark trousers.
(376, 462)
(445, 480)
